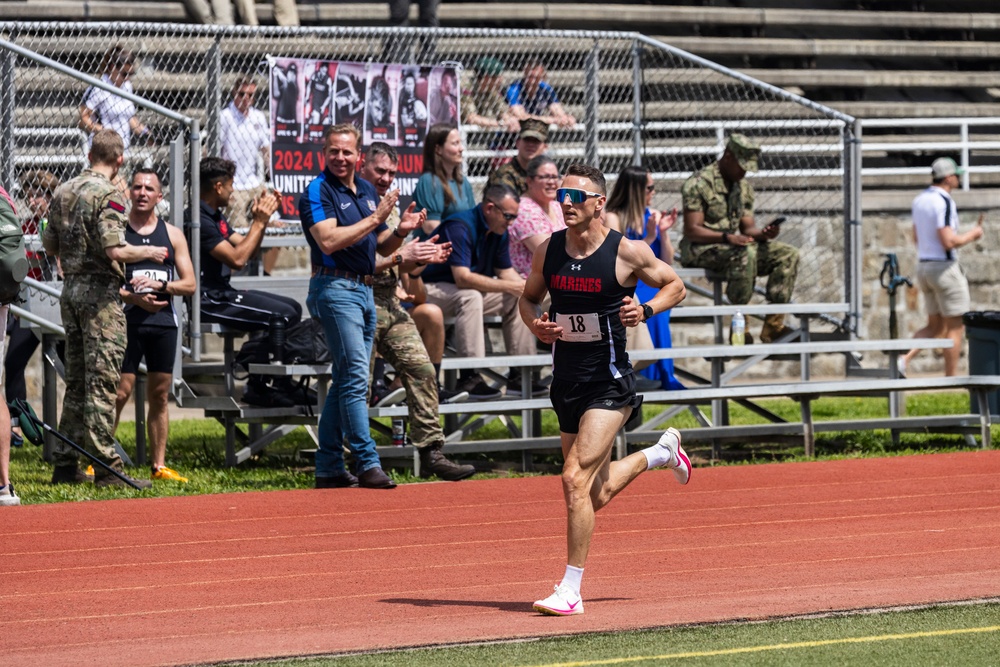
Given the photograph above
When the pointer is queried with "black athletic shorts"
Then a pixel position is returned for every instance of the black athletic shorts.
(571, 399)
(157, 344)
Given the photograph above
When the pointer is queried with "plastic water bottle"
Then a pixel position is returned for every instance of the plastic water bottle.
(737, 333)
(276, 336)
(398, 432)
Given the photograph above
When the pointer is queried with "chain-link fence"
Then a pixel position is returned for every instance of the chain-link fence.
(635, 101)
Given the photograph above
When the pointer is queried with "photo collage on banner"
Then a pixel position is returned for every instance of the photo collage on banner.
(395, 104)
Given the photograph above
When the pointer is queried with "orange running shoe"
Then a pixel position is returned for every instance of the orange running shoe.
(163, 472)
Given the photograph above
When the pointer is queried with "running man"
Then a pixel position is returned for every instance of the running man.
(590, 272)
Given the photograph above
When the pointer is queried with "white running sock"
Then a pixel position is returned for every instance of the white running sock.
(573, 578)
(657, 455)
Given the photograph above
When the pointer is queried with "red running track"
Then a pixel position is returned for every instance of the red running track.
(224, 577)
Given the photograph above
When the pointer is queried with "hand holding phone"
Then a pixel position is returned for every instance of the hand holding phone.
(777, 222)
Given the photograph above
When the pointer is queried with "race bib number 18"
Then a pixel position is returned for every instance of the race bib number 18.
(579, 327)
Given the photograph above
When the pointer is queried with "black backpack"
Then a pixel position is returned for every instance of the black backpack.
(305, 343)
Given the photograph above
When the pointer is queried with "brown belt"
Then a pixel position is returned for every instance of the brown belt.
(340, 273)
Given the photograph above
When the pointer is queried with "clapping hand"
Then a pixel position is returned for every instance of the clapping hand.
(411, 218)
(264, 206)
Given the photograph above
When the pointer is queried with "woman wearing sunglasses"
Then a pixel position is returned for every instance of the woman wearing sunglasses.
(629, 212)
(590, 273)
(102, 109)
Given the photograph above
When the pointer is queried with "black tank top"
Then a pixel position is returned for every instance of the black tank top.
(165, 317)
(586, 297)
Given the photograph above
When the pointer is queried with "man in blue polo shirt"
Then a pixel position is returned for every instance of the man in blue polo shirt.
(478, 280)
(344, 223)
(532, 97)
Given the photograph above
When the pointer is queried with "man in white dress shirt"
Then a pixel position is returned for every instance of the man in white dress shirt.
(245, 139)
(939, 277)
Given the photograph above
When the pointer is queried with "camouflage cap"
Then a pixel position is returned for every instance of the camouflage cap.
(488, 66)
(744, 150)
(532, 128)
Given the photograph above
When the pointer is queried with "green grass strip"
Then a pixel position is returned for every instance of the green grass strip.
(776, 647)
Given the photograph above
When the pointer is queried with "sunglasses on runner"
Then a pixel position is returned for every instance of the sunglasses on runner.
(575, 196)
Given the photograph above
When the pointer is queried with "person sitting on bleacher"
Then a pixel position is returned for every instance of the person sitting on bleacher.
(223, 250)
(397, 336)
(720, 233)
(532, 97)
(478, 280)
(531, 142)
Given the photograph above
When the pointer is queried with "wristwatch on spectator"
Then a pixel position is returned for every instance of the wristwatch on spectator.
(397, 259)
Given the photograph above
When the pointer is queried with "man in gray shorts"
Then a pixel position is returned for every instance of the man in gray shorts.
(940, 278)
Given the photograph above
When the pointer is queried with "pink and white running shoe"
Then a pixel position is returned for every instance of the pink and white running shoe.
(679, 461)
(564, 602)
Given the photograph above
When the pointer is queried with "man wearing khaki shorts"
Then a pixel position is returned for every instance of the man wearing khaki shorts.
(939, 277)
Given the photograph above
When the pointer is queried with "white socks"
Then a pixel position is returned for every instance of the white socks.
(659, 455)
(572, 578)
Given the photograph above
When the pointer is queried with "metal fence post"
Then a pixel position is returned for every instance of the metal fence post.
(213, 95)
(636, 103)
(194, 225)
(853, 232)
(7, 106)
(592, 97)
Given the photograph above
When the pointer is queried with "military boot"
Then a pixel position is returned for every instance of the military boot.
(434, 462)
(774, 328)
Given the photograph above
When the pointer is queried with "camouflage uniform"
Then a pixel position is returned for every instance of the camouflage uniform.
(87, 215)
(486, 103)
(511, 174)
(723, 208)
(400, 344)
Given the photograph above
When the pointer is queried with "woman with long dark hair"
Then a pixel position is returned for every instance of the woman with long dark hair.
(629, 211)
(442, 190)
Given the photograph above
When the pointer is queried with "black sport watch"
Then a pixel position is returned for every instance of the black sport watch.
(647, 312)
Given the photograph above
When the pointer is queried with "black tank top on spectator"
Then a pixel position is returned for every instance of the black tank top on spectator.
(586, 297)
(164, 317)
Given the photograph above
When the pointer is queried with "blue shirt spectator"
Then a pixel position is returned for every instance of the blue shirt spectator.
(473, 246)
(532, 97)
(327, 197)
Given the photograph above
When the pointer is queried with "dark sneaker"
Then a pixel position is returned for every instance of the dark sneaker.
(515, 390)
(643, 383)
(449, 396)
(70, 475)
(111, 480)
(375, 478)
(267, 397)
(393, 397)
(344, 480)
(434, 462)
(477, 389)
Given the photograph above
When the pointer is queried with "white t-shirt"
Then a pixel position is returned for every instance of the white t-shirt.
(242, 138)
(111, 111)
(933, 209)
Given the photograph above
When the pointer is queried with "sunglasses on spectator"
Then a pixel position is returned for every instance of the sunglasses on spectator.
(575, 196)
(509, 217)
(650, 188)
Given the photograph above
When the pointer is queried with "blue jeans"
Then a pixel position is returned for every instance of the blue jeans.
(347, 312)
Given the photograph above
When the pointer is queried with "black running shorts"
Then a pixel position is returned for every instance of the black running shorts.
(157, 344)
(571, 399)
